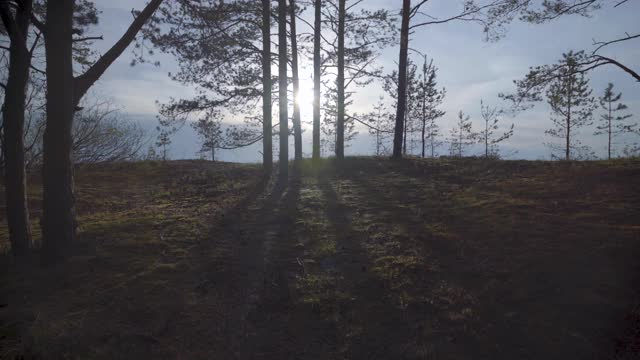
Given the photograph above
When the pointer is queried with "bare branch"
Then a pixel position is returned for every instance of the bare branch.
(88, 38)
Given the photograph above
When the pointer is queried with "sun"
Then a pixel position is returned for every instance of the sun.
(305, 99)
(305, 95)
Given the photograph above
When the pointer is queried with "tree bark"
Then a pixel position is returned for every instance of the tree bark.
(13, 123)
(424, 126)
(282, 101)
(424, 103)
(486, 139)
(404, 137)
(316, 79)
(64, 93)
(402, 80)
(609, 130)
(297, 128)
(340, 81)
(568, 139)
(58, 221)
(267, 137)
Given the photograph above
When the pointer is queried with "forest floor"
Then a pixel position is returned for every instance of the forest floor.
(372, 259)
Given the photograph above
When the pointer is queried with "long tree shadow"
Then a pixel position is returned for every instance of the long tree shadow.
(422, 266)
(370, 325)
(261, 273)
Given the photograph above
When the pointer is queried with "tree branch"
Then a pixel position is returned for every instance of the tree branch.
(37, 23)
(616, 63)
(83, 82)
(602, 44)
(88, 38)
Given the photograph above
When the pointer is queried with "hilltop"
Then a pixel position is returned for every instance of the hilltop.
(372, 259)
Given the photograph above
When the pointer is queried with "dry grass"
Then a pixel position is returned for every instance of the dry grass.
(372, 259)
(139, 227)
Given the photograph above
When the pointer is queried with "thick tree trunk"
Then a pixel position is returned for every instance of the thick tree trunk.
(297, 128)
(282, 101)
(58, 221)
(404, 137)
(13, 124)
(63, 95)
(316, 79)
(402, 80)
(267, 138)
(340, 81)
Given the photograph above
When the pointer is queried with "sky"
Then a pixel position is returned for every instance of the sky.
(469, 68)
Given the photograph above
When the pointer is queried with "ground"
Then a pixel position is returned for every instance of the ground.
(368, 259)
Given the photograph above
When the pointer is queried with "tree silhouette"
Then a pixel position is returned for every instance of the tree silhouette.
(461, 136)
(64, 92)
(612, 124)
(488, 136)
(571, 102)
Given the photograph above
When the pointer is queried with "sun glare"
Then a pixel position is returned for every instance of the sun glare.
(305, 98)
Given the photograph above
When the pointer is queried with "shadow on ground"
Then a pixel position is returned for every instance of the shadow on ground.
(366, 259)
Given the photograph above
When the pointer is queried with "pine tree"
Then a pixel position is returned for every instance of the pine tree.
(317, 73)
(329, 125)
(352, 41)
(412, 99)
(297, 128)
(462, 135)
(488, 136)
(224, 50)
(571, 103)
(381, 125)
(209, 130)
(612, 124)
(65, 89)
(282, 90)
(429, 98)
(163, 141)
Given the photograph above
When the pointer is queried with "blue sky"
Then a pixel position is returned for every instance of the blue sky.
(469, 68)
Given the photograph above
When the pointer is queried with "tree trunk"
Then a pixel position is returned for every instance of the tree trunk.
(297, 128)
(402, 80)
(433, 145)
(340, 81)
(460, 143)
(267, 137)
(424, 103)
(13, 123)
(404, 137)
(568, 139)
(282, 101)
(64, 93)
(486, 139)
(58, 221)
(378, 133)
(424, 128)
(316, 79)
(609, 142)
